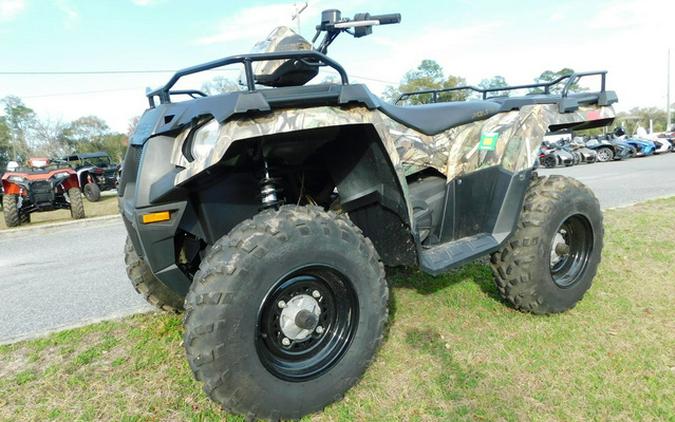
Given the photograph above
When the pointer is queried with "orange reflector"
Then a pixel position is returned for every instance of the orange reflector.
(156, 217)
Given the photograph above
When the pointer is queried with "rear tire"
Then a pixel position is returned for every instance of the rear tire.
(92, 192)
(76, 203)
(550, 162)
(10, 209)
(551, 259)
(25, 218)
(232, 332)
(147, 285)
(605, 154)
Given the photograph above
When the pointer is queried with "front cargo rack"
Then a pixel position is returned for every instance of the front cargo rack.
(572, 79)
(311, 57)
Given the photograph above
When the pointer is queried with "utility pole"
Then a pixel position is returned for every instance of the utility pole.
(668, 124)
(298, 10)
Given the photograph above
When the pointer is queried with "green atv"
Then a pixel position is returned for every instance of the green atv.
(269, 214)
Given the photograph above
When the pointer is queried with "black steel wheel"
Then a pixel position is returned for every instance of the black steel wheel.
(571, 248)
(285, 313)
(551, 259)
(306, 323)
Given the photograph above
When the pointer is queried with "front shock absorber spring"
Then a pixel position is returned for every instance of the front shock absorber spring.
(270, 190)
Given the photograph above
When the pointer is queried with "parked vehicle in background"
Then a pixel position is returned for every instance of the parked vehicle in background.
(551, 155)
(96, 173)
(608, 149)
(585, 155)
(643, 147)
(662, 145)
(670, 137)
(37, 187)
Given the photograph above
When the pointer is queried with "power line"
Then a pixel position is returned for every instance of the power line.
(97, 72)
(139, 71)
(122, 72)
(67, 94)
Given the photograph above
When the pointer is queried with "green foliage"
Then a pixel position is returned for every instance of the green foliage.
(92, 134)
(23, 134)
(640, 116)
(550, 76)
(496, 81)
(428, 75)
(19, 120)
(5, 144)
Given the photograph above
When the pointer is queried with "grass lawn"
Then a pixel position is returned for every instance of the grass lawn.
(454, 351)
(106, 206)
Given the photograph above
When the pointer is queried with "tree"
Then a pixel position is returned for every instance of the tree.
(49, 138)
(19, 119)
(550, 76)
(220, 85)
(428, 75)
(496, 81)
(86, 129)
(92, 134)
(640, 116)
(114, 144)
(131, 128)
(5, 144)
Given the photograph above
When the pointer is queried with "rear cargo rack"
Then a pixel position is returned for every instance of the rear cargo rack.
(571, 80)
(312, 57)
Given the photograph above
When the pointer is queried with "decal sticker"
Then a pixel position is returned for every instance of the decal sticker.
(488, 141)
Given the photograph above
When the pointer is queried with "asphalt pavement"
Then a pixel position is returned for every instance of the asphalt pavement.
(623, 183)
(72, 275)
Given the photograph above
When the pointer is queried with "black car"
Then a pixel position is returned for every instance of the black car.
(609, 149)
(96, 172)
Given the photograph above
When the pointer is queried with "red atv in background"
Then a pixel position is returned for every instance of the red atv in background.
(40, 186)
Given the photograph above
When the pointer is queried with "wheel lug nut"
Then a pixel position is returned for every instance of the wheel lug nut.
(281, 304)
(285, 341)
(316, 294)
(319, 329)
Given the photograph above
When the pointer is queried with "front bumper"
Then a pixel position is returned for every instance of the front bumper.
(155, 242)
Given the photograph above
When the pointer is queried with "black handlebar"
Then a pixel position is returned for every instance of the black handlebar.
(387, 19)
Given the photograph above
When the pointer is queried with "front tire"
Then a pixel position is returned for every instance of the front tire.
(92, 192)
(235, 327)
(552, 258)
(10, 209)
(550, 162)
(147, 285)
(76, 204)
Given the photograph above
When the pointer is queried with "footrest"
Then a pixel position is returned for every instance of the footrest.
(441, 258)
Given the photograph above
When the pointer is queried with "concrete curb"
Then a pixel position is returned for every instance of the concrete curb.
(85, 222)
(656, 198)
(116, 316)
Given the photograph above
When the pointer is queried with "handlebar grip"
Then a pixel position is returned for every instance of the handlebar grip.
(387, 19)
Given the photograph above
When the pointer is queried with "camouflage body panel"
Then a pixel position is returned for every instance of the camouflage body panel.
(281, 38)
(509, 139)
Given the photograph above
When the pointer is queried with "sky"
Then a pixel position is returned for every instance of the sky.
(473, 39)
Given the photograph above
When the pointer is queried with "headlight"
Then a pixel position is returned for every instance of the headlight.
(16, 179)
(204, 139)
(61, 175)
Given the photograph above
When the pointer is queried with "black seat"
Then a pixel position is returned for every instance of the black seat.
(431, 119)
